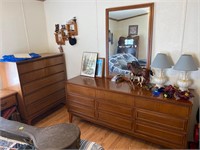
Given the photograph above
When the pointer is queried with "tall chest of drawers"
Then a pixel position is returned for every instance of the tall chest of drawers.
(39, 83)
(135, 112)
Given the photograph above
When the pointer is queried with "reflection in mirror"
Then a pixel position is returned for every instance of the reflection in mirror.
(128, 37)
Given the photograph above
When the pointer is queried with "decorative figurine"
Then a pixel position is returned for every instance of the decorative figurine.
(168, 91)
(185, 95)
(142, 75)
(56, 28)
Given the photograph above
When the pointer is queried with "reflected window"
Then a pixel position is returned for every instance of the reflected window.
(129, 41)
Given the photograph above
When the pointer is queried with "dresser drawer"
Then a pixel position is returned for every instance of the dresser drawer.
(38, 84)
(79, 90)
(80, 100)
(54, 61)
(81, 110)
(30, 66)
(115, 97)
(115, 109)
(162, 107)
(116, 121)
(161, 120)
(8, 102)
(159, 134)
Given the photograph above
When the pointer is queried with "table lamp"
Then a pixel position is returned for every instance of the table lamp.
(160, 62)
(185, 64)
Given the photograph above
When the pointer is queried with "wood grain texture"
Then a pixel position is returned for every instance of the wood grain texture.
(39, 82)
(134, 112)
(7, 99)
(109, 139)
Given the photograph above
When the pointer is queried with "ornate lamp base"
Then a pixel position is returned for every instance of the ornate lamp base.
(183, 84)
(160, 81)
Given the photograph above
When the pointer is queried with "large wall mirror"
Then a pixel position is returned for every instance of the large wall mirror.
(129, 32)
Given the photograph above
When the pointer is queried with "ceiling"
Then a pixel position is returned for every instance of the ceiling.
(123, 14)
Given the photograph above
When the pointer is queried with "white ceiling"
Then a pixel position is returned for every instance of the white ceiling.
(122, 14)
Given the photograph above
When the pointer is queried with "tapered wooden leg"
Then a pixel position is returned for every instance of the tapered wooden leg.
(70, 117)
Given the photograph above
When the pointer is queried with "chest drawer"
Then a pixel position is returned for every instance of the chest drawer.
(54, 69)
(54, 61)
(43, 92)
(39, 64)
(30, 66)
(31, 76)
(8, 102)
(115, 97)
(79, 90)
(162, 107)
(45, 103)
(44, 82)
(41, 73)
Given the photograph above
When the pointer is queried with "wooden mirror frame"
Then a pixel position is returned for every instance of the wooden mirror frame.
(150, 30)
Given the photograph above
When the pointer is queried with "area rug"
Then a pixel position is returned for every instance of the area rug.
(9, 144)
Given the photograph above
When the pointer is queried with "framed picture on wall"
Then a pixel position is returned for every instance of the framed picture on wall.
(110, 37)
(88, 66)
(133, 30)
(100, 67)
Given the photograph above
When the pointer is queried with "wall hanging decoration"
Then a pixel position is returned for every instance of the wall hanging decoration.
(66, 33)
(110, 37)
(133, 30)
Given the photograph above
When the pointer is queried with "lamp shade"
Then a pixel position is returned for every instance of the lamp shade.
(185, 63)
(161, 61)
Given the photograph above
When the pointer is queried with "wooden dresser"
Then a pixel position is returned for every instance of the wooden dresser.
(135, 112)
(40, 83)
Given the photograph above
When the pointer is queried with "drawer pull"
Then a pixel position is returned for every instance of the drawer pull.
(3, 104)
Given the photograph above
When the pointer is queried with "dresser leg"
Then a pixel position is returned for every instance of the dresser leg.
(70, 117)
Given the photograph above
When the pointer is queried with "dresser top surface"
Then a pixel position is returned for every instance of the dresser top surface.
(43, 56)
(5, 93)
(122, 87)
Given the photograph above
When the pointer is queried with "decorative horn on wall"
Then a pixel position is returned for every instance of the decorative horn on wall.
(66, 33)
